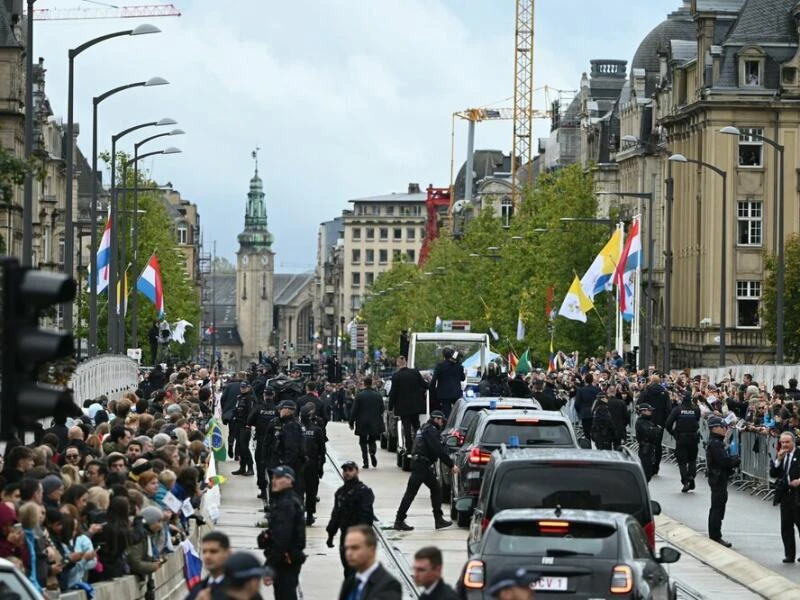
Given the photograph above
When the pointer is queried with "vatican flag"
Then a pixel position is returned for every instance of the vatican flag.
(576, 303)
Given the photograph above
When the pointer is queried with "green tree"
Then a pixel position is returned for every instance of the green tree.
(791, 298)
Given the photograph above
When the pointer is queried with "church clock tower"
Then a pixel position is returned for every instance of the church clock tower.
(254, 269)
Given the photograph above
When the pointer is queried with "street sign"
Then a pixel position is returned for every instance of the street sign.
(456, 325)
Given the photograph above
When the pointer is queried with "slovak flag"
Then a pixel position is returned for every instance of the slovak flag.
(149, 283)
(628, 267)
(104, 259)
(192, 564)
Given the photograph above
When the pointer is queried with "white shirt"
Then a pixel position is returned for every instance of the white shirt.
(363, 576)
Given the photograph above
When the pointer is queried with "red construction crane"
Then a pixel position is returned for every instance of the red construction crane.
(118, 12)
(436, 205)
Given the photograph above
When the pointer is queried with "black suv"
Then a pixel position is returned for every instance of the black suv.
(580, 553)
(461, 417)
(518, 428)
(607, 480)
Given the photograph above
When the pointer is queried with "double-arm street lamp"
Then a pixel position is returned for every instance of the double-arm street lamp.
(69, 245)
(723, 280)
(153, 81)
(780, 274)
(135, 241)
(113, 324)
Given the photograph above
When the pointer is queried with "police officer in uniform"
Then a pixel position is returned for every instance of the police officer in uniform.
(286, 442)
(261, 415)
(286, 538)
(352, 505)
(241, 414)
(648, 435)
(315, 458)
(427, 449)
(683, 423)
(719, 467)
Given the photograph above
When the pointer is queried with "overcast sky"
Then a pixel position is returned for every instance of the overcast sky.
(345, 98)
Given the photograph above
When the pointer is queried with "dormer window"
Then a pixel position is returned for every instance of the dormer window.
(752, 61)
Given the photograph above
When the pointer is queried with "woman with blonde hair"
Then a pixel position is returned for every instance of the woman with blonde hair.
(71, 475)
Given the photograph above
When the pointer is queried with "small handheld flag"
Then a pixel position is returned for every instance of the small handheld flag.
(215, 440)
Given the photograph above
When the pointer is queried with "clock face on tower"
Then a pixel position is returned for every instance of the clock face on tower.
(264, 260)
(245, 259)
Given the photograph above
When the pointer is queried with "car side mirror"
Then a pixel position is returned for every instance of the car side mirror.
(655, 507)
(585, 444)
(668, 555)
(466, 504)
(453, 441)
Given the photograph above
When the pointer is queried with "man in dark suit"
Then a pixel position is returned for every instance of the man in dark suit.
(407, 399)
(786, 471)
(370, 581)
(446, 380)
(366, 417)
(428, 575)
(215, 549)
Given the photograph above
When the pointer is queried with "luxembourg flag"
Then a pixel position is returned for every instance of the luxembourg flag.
(149, 283)
(103, 258)
(626, 270)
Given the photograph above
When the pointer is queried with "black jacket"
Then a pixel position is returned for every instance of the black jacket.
(719, 464)
(518, 388)
(285, 443)
(446, 380)
(683, 423)
(314, 445)
(228, 399)
(380, 586)
(493, 385)
(657, 397)
(352, 505)
(287, 529)
(442, 591)
(619, 416)
(428, 445)
(782, 488)
(407, 394)
(367, 413)
(584, 400)
(603, 430)
(200, 586)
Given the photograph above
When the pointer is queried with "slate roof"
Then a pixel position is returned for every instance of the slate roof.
(678, 26)
(764, 22)
(403, 197)
(223, 287)
(287, 286)
(485, 164)
(683, 51)
(729, 6)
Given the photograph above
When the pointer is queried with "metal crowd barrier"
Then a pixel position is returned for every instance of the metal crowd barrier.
(109, 375)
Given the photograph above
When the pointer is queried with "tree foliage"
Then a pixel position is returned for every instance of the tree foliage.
(492, 273)
(791, 298)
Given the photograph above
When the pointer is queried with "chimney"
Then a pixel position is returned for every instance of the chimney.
(413, 188)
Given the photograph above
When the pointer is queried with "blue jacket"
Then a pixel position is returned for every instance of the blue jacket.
(446, 380)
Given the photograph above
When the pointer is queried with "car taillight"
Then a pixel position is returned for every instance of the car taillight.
(474, 575)
(478, 457)
(553, 526)
(621, 580)
(650, 532)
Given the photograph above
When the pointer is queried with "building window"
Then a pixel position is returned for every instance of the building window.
(789, 76)
(183, 234)
(355, 279)
(748, 295)
(370, 256)
(389, 211)
(376, 210)
(383, 257)
(356, 256)
(61, 253)
(750, 147)
(422, 233)
(506, 211)
(411, 233)
(397, 255)
(384, 233)
(752, 72)
(749, 218)
(397, 234)
(370, 233)
(355, 302)
(752, 61)
(410, 255)
(417, 211)
(356, 233)
(369, 278)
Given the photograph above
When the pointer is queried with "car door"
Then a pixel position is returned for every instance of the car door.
(653, 575)
(460, 458)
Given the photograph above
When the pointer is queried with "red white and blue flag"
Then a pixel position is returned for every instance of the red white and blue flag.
(628, 267)
(192, 564)
(103, 259)
(149, 283)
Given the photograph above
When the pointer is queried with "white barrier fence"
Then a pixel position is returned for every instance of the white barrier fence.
(110, 375)
(767, 374)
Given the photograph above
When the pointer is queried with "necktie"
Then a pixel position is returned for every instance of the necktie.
(356, 593)
(786, 462)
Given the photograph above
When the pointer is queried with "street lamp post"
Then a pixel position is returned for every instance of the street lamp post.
(113, 277)
(27, 196)
(723, 280)
(780, 274)
(69, 247)
(93, 208)
(135, 242)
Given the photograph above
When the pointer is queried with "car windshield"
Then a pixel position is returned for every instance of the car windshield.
(579, 486)
(427, 354)
(525, 433)
(542, 538)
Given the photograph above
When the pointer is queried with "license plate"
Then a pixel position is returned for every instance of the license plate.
(553, 584)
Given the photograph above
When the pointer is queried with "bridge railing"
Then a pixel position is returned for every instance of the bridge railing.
(111, 375)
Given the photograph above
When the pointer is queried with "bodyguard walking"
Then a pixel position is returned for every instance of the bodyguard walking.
(683, 424)
(719, 467)
(353, 504)
(315, 458)
(656, 396)
(241, 413)
(407, 399)
(286, 442)
(647, 436)
(262, 414)
(287, 534)
(367, 418)
(427, 449)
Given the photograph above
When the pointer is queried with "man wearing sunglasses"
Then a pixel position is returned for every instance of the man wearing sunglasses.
(352, 505)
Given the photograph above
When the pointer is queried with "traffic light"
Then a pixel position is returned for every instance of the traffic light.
(26, 294)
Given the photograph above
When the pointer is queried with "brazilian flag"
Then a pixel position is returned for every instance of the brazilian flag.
(215, 440)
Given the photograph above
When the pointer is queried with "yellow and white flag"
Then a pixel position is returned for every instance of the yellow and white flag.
(576, 303)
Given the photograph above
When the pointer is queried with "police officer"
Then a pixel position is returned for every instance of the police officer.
(241, 413)
(315, 458)
(286, 442)
(648, 435)
(261, 415)
(427, 449)
(719, 467)
(683, 423)
(286, 538)
(352, 505)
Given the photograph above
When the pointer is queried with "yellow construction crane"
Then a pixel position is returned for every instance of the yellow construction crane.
(522, 148)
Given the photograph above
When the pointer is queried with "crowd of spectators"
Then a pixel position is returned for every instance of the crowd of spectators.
(110, 493)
